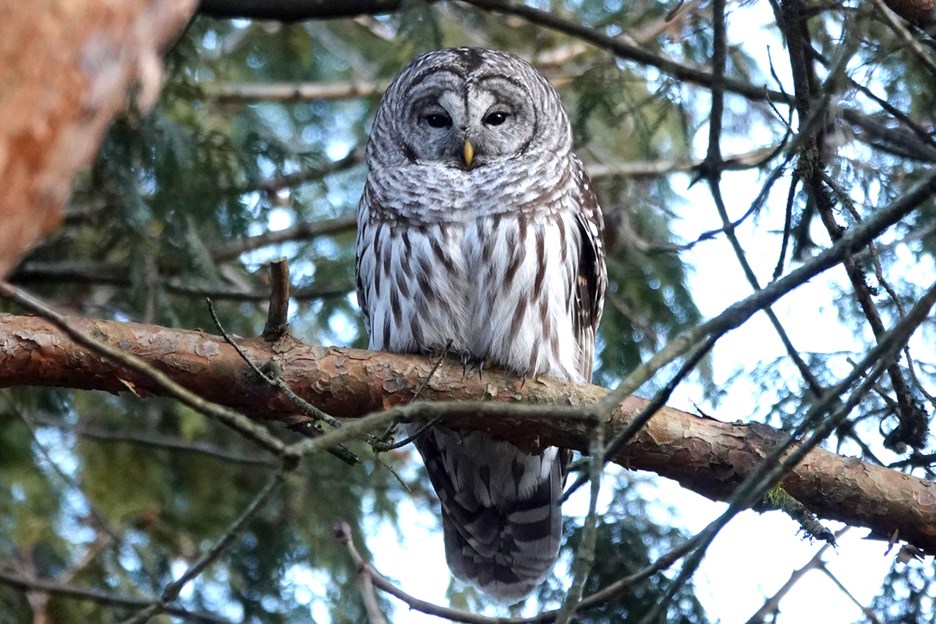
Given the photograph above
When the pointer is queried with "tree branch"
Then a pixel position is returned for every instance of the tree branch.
(83, 593)
(707, 456)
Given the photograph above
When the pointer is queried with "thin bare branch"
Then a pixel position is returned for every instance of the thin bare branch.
(101, 597)
(172, 591)
(771, 604)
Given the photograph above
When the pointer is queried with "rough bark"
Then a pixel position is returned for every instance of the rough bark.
(65, 66)
(705, 455)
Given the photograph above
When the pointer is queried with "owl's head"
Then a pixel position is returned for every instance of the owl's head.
(467, 108)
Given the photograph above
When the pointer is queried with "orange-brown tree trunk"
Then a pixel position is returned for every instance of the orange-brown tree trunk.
(65, 67)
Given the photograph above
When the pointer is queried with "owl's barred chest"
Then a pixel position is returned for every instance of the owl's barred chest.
(499, 287)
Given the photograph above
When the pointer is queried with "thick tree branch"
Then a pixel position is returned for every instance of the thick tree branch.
(702, 454)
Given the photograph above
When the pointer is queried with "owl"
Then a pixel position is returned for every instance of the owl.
(479, 232)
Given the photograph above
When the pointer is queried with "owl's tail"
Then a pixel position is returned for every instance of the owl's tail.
(500, 510)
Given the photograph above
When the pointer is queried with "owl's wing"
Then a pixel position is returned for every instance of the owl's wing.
(592, 278)
(364, 274)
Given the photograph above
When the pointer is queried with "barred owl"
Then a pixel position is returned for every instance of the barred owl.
(478, 229)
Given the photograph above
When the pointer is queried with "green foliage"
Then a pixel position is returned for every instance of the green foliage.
(907, 594)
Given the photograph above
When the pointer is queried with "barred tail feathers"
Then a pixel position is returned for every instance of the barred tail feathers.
(501, 513)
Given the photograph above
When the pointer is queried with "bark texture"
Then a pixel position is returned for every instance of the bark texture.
(705, 455)
(65, 66)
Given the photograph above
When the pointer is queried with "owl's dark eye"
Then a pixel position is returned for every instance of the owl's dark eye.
(495, 119)
(438, 120)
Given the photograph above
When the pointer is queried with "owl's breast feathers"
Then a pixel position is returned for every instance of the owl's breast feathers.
(492, 268)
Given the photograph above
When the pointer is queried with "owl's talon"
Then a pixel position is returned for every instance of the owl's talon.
(471, 363)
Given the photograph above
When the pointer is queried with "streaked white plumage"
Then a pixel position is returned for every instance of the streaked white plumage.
(495, 247)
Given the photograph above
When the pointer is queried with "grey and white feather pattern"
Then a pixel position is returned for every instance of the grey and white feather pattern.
(479, 227)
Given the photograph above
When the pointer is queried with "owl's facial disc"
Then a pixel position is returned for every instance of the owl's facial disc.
(467, 123)
(502, 120)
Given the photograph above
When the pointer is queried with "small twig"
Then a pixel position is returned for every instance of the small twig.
(272, 378)
(32, 272)
(104, 598)
(277, 324)
(778, 498)
(161, 442)
(866, 610)
(343, 534)
(99, 518)
(432, 371)
(364, 574)
(99, 545)
(304, 231)
(787, 227)
(429, 424)
(585, 554)
(173, 589)
(771, 604)
(380, 445)
(279, 383)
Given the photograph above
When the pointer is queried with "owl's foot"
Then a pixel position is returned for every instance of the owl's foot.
(472, 363)
(531, 377)
(439, 353)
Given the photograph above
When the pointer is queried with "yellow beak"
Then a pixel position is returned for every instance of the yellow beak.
(468, 153)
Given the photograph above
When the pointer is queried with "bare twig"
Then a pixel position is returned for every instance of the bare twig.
(304, 231)
(248, 93)
(271, 377)
(585, 554)
(162, 442)
(100, 597)
(172, 591)
(116, 275)
(771, 604)
(364, 573)
(868, 613)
